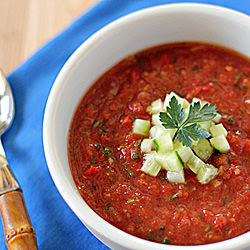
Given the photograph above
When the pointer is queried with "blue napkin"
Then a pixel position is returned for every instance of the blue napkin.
(56, 225)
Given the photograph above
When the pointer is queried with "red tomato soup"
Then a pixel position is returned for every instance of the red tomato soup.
(105, 156)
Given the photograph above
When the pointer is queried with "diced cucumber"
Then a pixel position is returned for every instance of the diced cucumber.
(151, 166)
(141, 127)
(147, 145)
(184, 152)
(217, 118)
(170, 161)
(206, 125)
(184, 103)
(171, 131)
(155, 107)
(220, 143)
(218, 129)
(194, 163)
(163, 144)
(157, 131)
(156, 120)
(206, 173)
(177, 177)
(203, 149)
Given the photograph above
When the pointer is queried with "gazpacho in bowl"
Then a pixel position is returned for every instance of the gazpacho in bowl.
(136, 167)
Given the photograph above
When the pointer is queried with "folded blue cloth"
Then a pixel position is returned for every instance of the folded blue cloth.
(56, 225)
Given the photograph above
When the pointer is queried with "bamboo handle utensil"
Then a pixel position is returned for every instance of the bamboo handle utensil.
(19, 233)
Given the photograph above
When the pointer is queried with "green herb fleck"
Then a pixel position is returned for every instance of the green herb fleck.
(131, 200)
(148, 103)
(208, 228)
(248, 189)
(96, 124)
(181, 83)
(114, 91)
(98, 146)
(107, 207)
(129, 170)
(214, 80)
(86, 114)
(104, 130)
(231, 122)
(227, 228)
(106, 151)
(102, 102)
(244, 86)
(92, 162)
(151, 237)
(163, 178)
(113, 132)
(162, 228)
(225, 200)
(174, 196)
(195, 68)
(166, 241)
(178, 70)
(94, 187)
(174, 59)
(188, 130)
(137, 156)
(237, 78)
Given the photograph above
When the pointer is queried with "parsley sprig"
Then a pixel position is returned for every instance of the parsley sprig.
(187, 129)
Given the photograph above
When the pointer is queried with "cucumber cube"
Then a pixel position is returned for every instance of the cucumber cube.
(177, 177)
(157, 131)
(194, 164)
(156, 107)
(185, 153)
(220, 143)
(203, 149)
(170, 161)
(206, 173)
(206, 125)
(163, 144)
(147, 145)
(151, 166)
(141, 127)
(156, 120)
(218, 129)
(217, 118)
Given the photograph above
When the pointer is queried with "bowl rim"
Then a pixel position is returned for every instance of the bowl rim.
(118, 235)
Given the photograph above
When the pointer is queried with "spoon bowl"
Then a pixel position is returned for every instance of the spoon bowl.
(7, 107)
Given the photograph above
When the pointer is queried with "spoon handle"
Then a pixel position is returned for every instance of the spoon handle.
(19, 233)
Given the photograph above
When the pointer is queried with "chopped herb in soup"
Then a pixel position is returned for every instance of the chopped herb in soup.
(159, 146)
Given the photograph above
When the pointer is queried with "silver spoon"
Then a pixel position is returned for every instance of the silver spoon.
(19, 233)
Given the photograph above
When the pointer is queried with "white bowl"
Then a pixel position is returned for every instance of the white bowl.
(129, 34)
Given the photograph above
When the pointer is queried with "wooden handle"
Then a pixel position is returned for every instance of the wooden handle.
(19, 233)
